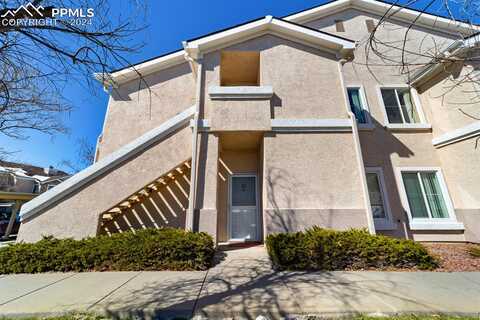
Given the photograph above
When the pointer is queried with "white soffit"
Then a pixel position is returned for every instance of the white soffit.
(268, 24)
(380, 8)
(143, 69)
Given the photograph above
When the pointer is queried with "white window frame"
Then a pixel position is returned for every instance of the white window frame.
(422, 125)
(449, 223)
(387, 222)
(365, 107)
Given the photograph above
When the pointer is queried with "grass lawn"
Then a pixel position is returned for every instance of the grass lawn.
(418, 317)
(402, 317)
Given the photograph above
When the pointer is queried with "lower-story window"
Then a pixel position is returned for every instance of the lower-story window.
(425, 196)
(378, 198)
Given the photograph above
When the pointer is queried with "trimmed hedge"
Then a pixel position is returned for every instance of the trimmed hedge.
(149, 249)
(323, 249)
(474, 251)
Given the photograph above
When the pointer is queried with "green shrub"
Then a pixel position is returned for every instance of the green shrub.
(149, 249)
(323, 249)
(474, 251)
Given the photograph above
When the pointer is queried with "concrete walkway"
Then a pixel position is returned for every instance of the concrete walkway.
(242, 284)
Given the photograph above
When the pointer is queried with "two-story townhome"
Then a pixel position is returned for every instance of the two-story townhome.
(280, 124)
(19, 183)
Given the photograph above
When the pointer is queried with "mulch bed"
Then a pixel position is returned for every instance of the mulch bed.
(454, 256)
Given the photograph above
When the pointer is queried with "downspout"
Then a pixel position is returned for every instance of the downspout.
(197, 72)
(358, 150)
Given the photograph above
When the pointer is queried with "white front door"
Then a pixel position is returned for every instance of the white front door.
(243, 211)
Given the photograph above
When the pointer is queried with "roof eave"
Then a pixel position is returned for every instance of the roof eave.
(456, 49)
(199, 47)
(380, 7)
(141, 70)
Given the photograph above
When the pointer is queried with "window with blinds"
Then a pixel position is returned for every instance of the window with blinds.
(425, 195)
(357, 105)
(399, 105)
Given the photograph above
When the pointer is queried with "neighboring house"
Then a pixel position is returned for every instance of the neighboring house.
(277, 125)
(20, 183)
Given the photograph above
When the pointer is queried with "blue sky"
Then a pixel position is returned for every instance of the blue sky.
(169, 22)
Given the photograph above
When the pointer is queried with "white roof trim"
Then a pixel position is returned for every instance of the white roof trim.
(379, 7)
(197, 48)
(75, 182)
(456, 49)
(205, 44)
(144, 68)
(373, 6)
(308, 125)
(240, 92)
(457, 135)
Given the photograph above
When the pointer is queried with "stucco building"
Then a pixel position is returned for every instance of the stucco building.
(278, 125)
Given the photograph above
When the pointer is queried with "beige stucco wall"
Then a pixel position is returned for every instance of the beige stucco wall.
(382, 148)
(206, 195)
(305, 81)
(132, 112)
(77, 215)
(450, 106)
(311, 179)
(240, 115)
(461, 168)
(393, 32)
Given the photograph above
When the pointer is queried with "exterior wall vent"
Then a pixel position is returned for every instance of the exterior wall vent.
(339, 26)
(370, 25)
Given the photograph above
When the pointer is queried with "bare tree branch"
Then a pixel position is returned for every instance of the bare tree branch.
(38, 60)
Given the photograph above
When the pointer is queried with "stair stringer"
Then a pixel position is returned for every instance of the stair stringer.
(77, 214)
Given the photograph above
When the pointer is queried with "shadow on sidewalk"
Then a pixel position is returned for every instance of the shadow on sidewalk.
(247, 288)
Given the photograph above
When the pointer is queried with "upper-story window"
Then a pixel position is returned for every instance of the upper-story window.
(240, 68)
(399, 105)
(358, 104)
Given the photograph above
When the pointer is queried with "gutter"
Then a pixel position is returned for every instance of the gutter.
(197, 72)
(434, 67)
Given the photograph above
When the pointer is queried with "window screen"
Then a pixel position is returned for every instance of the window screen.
(243, 191)
(424, 195)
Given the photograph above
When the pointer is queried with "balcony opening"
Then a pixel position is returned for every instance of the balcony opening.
(240, 68)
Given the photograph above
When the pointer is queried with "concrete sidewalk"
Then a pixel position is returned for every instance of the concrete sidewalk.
(243, 284)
